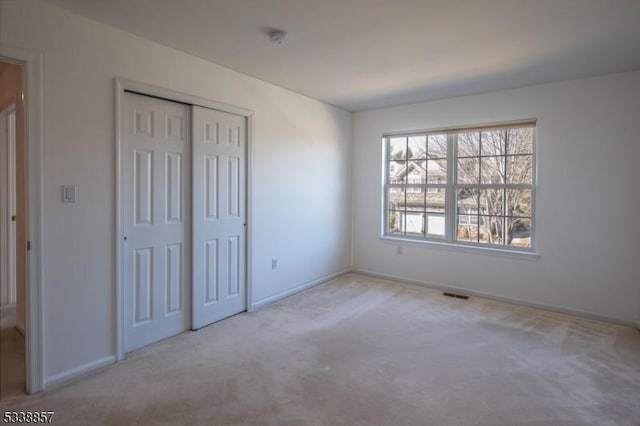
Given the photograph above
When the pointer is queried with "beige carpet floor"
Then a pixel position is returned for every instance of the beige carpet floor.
(12, 362)
(364, 351)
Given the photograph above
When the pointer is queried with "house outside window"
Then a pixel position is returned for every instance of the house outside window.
(471, 186)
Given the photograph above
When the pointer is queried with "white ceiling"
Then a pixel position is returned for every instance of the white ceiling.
(364, 54)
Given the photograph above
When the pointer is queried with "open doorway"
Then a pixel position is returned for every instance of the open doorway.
(13, 230)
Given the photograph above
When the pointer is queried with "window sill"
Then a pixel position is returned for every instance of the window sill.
(460, 248)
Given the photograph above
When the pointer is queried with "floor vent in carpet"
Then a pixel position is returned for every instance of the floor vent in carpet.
(458, 296)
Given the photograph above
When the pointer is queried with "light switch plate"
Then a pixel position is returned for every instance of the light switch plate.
(68, 193)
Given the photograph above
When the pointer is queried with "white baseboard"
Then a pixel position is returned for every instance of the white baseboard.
(297, 289)
(77, 372)
(496, 297)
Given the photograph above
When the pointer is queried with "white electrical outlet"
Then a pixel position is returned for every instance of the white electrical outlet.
(274, 263)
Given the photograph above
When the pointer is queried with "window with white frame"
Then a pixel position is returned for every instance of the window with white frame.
(472, 186)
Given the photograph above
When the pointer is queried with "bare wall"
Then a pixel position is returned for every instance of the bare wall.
(301, 175)
(587, 203)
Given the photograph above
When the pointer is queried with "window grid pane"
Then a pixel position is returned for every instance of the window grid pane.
(492, 188)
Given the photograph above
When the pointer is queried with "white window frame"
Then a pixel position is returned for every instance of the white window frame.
(452, 187)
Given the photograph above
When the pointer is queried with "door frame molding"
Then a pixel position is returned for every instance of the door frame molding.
(33, 86)
(10, 271)
(121, 85)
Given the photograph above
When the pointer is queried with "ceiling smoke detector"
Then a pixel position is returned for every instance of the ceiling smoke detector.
(277, 36)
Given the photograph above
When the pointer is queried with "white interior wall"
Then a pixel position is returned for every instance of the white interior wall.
(587, 200)
(301, 175)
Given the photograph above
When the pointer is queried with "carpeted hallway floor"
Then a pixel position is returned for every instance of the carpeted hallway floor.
(12, 378)
(365, 351)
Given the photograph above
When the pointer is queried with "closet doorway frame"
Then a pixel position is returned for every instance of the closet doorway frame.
(124, 85)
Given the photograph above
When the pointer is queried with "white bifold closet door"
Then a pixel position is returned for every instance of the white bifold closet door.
(184, 197)
(219, 212)
(157, 219)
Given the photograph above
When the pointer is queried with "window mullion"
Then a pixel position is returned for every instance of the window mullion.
(478, 187)
(450, 206)
(505, 214)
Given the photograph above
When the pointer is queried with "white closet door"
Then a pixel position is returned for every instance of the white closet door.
(157, 216)
(219, 215)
